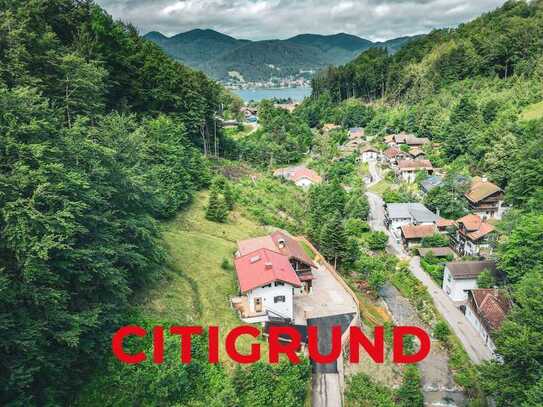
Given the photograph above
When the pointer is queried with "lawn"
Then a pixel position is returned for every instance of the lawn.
(532, 112)
(196, 289)
(380, 187)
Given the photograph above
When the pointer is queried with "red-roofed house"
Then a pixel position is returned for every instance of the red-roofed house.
(300, 175)
(258, 302)
(486, 310)
(474, 236)
(412, 235)
(393, 155)
(282, 242)
(266, 281)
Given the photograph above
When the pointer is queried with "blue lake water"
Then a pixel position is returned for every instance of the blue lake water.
(296, 94)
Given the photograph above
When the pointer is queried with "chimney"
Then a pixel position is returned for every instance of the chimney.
(437, 212)
(484, 178)
(281, 243)
(268, 265)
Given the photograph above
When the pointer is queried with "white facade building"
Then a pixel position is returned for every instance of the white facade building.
(461, 277)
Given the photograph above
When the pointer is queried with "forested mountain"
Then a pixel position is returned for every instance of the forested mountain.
(218, 54)
(101, 134)
(476, 92)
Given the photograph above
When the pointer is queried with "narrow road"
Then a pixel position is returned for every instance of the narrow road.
(471, 340)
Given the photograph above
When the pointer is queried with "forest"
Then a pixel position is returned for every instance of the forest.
(102, 138)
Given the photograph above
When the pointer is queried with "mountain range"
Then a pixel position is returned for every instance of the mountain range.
(227, 58)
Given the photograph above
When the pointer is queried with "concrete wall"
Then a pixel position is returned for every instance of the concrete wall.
(267, 294)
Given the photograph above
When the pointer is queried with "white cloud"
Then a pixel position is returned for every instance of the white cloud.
(265, 19)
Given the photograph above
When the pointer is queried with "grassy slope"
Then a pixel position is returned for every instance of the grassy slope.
(197, 289)
(533, 112)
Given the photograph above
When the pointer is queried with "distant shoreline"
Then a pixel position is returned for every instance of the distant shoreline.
(257, 94)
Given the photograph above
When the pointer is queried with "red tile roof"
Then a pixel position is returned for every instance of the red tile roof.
(475, 226)
(296, 173)
(418, 231)
(392, 152)
(492, 306)
(414, 165)
(444, 223)
(279, 241)
(262, 267)
(303, 172)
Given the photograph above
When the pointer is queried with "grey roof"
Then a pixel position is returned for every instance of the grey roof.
(416, 211)
(462, 270)
(431, 182)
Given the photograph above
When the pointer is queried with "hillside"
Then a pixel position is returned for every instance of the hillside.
(476, 93)
(217, 54)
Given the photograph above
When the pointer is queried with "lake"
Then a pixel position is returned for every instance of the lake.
(296, 94)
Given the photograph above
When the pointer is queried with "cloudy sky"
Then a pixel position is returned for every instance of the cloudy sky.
(266, 19)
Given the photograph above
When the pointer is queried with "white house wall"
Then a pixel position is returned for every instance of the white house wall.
(267, 294)
(479, 327)
(457, 289)
(304, 183)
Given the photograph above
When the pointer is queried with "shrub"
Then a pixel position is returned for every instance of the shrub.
(441, 331)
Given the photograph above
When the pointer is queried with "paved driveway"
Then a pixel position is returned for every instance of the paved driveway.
(471, 340)
(328, 297)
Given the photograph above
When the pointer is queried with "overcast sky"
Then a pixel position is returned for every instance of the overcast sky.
(375, 20)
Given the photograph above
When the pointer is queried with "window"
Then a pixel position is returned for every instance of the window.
(279, 298)
(266, 286)
(278, 284)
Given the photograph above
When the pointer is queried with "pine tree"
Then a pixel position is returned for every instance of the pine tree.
(333, 241)
(216, 208)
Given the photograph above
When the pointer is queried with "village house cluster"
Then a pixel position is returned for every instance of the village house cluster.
(472, 235)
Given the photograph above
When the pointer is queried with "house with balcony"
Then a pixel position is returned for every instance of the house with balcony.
(485, 198)
(474, 236)
(266, 283)
(283, 243)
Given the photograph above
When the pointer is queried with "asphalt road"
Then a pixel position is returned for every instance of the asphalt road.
(471, 340)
